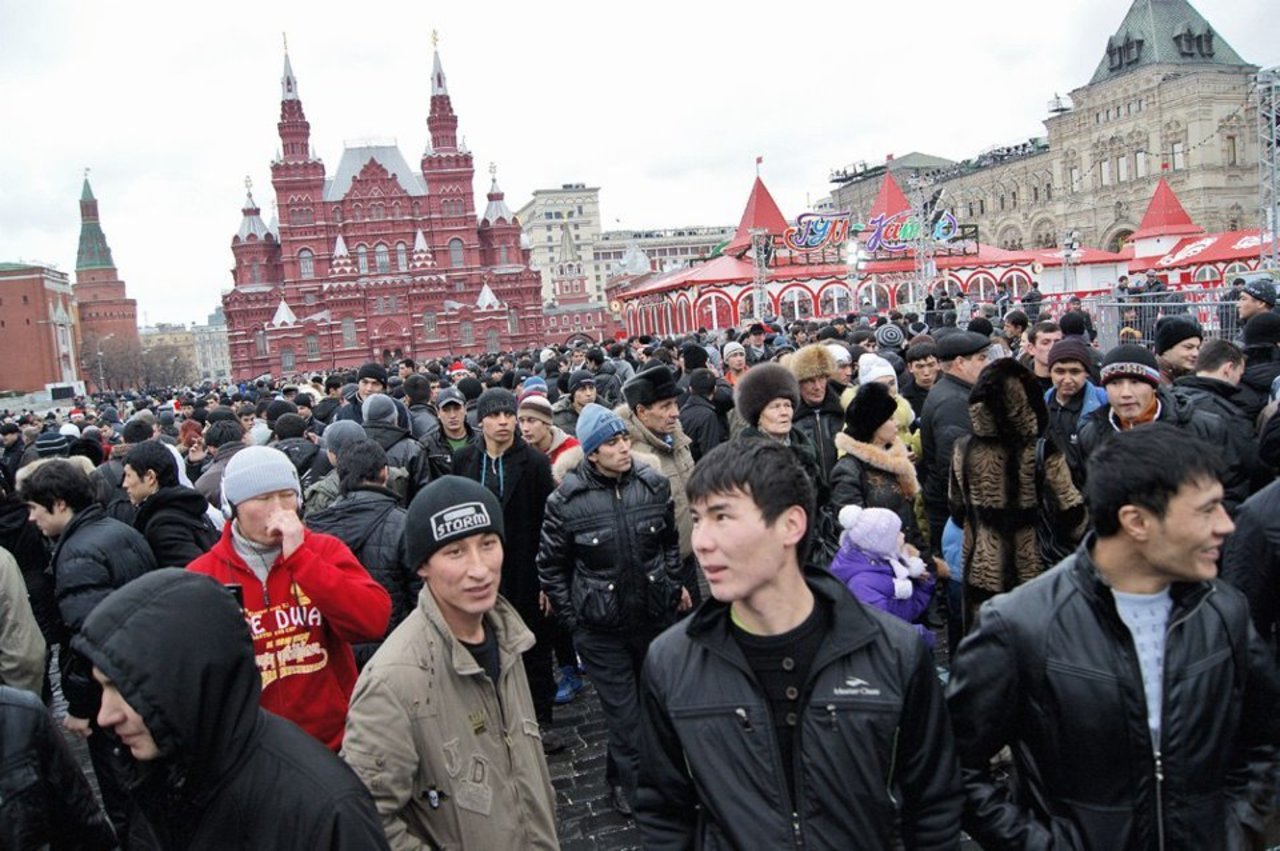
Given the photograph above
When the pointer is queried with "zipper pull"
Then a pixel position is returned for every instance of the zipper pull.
(831, 714)
(743, 718)
(795, 829)
(1159, 768)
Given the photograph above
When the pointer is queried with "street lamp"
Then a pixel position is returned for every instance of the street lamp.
(101, 374)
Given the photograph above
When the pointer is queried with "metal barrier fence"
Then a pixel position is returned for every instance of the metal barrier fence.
(1133, 318)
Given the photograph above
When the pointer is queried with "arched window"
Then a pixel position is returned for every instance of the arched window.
(835, 300)
(502, 255)
(455, 252)
(313, 346)
(795, 304)
(260, 343)
(382, 257)
(376, 212)
(348, 331)
(306, 263)
(468, 333)
(429, 324)
(255, 272)
(513, 321)
(362, 260)
(492, 342)
(287, 362)
(402, 257)
(1207, 273)
(337, 214)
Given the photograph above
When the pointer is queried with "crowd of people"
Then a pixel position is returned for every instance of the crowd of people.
(843, 584)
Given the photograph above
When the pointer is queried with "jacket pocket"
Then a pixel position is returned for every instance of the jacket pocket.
(662, 595)
(596, 549)
(595, 601)
(21, 804)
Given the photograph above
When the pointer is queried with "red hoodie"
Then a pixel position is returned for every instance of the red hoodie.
(317, 603)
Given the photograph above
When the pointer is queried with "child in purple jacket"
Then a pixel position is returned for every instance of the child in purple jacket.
(878, 567)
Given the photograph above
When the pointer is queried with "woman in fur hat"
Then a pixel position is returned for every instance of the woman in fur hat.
(766, 398)
(996, 493)
(875, 468)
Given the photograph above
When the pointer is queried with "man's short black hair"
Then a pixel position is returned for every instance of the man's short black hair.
(617, 350)
(246, 410)
(152, 455)
(417, 389)
(1145, 467)
(333, 382)
(137, 431)
(595, 355)
(921, 351)
(55, 480)
(1216, 353)
(702, 382)
(1017, 319)
(1045, 327)
(289, 425)
(360, 463)
(764, 470)
(223, 432)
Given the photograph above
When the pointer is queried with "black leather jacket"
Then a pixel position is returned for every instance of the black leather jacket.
(44, 797)
(873, 745)
(610, 553)
(821, 425)
(1051, 671)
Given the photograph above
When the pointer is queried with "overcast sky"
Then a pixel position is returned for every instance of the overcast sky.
(664, 105)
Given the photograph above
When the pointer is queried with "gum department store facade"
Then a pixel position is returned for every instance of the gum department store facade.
(1170, 97)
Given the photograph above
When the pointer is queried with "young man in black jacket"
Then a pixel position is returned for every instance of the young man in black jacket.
(208, 768)
(783, 712)
(1141, 707)
(610, 566)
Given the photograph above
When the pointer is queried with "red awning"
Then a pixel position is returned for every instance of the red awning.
(1227, 247)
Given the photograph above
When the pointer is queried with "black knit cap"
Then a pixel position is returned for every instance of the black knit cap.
(871, 408)
(447, 510)
(1172, 330)
(1130, 361)
(496, 400)
(1262, 330)
(373, 370)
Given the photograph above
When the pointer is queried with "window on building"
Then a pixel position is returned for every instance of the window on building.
(382, 257)
(1075, 178)
(1013, 199)
(287, 362)
(1179, 156)
(982, 206)
(306, 263)
(455, 252)
(1105, 172)
(402, 257)
(1035, 194)
(348, 331)
(393, 304)
(1140, 164)
(513, 321)
(429, 324)
(1232, 153)
(255, 272)
(1122, 169)
(492, 341)
(377, 212)
(467, 332)
(313, 346)
(259, 343)
(502, 255)
(308, 298)
(337, 214)
(362, 260)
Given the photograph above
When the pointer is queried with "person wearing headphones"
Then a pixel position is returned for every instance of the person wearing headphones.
(305, 596)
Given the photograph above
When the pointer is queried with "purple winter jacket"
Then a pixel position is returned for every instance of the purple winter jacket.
(870, 578)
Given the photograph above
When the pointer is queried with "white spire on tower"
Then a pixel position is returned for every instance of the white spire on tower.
(288, 84)
(438, 86)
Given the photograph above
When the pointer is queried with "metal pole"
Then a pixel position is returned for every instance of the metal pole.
(1267, 89)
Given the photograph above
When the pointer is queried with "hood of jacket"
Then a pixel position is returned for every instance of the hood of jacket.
(175, 645)
(174, 498)
(386, 435)
(830, 404)
(1007, 403)
(354, 517)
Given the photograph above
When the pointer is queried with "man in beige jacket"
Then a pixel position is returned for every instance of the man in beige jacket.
(441, 727)
(22, 648)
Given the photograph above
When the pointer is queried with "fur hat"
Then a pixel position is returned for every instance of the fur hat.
(812, 361)
(650, 386)
(761, 385)
(871, 408)
(1172, 330)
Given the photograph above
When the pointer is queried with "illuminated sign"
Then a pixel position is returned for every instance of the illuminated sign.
(894, 234)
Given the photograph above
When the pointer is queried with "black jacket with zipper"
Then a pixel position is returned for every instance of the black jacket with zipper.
(873, 746)
(821, 424)
(1051, 670)
(610, 553)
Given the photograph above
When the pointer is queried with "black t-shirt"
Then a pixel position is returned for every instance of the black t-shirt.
(781, 664)
(486, 654)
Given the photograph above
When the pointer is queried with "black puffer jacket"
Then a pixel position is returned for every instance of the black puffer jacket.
(1051, 671)
(1251, 559)
(873, 744)
(174, 646)
(404, 452)
(1262, 367)
(1227, 401)
(45, 800)
(944, 420)
(701, 422)
(94, 556)
(174, 523)
(821, 424)
(370, 521)
(610, 553)
(608, 386)
(302, 452)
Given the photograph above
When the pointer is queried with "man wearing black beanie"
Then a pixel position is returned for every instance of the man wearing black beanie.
(1178, 341)
(371, 379)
